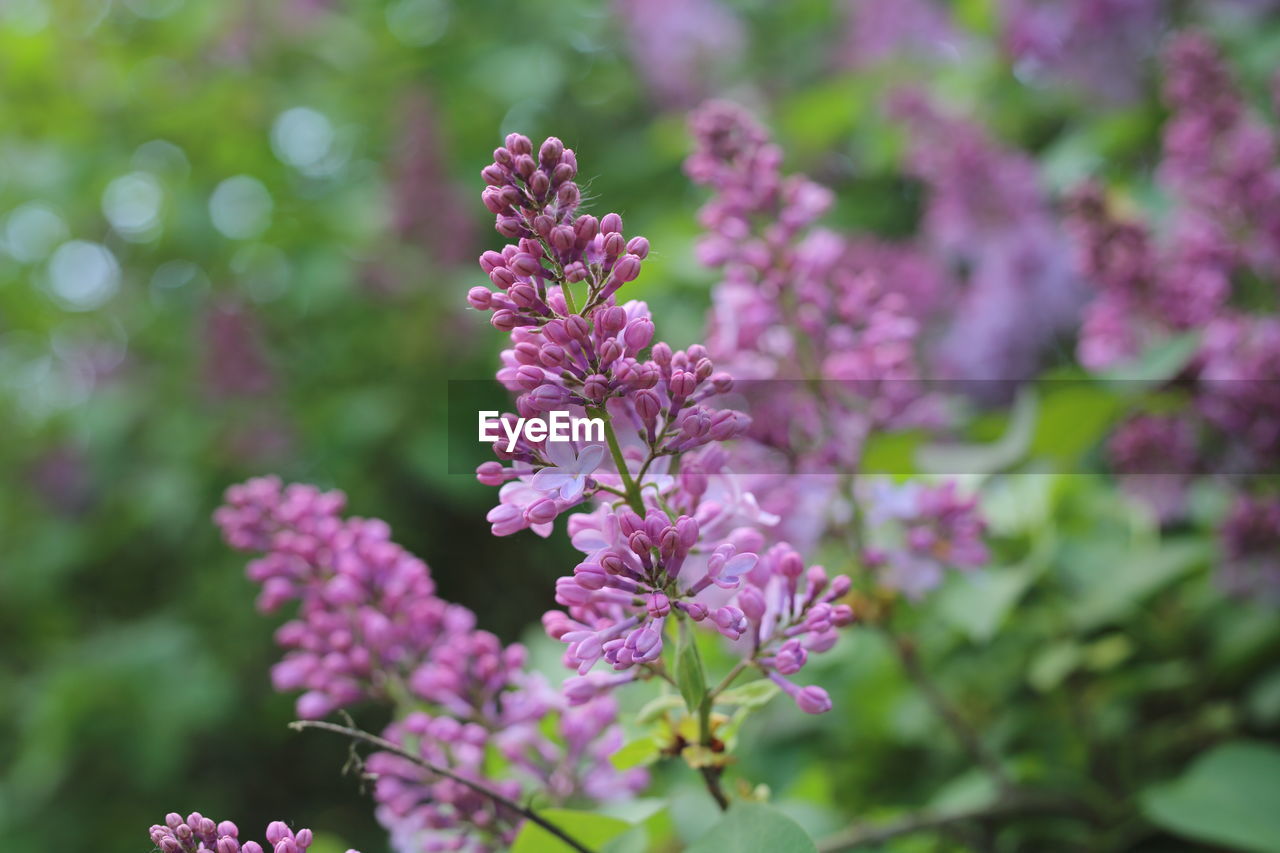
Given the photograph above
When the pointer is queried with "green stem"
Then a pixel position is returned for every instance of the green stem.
(628, 484)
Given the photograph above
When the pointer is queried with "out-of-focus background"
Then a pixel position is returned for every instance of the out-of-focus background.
(235, 238)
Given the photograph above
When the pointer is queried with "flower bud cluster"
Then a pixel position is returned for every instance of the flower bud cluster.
(640, 571)
(370, 626)
(535, 202)
(196, 834)
(926, 529)
(666, 539)
(596, 360)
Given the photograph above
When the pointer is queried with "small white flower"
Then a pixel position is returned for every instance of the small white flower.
(569, 470)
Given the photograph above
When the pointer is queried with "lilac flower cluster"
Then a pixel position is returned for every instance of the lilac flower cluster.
(620, 597)
(1251, 542)
(985, 211)
(797, 302)
(1095, 45)
(832, 325)
(196, 833)
(370, 626)
(1221, 169)
(677, 46)
(671, 536)
(933, 528)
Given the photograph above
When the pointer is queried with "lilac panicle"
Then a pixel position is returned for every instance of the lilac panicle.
(670, 536)
(196, 833)
(1251, 546)
(370, 627)
(932, 528)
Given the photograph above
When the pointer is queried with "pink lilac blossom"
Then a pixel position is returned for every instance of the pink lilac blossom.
(1099, 46)
(198, 834)
(670, 537)
(1251, 546)
(424, 199)
(986, 211)
(876, 32)
(1219, 159)
(235, 360)
(677, 46)
(1155, 457)
(933, 528)
(370, 627)
(799, 306)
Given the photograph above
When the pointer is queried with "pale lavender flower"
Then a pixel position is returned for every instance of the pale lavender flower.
(567, 475)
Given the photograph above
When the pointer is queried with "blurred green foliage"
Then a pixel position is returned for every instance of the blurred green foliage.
(246, 298)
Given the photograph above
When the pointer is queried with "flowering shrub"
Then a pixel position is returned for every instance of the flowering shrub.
(927, 495)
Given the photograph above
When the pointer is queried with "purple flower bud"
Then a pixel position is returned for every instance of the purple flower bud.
(568, 196)
(526, 265)
(661, 354)
(555, 331)
(529, 377)
(518, 143)
(550, 152)
(523, 295)
(542, 511)
(626, 269)
(277, 831)
(596, 387)
(612, 319)
(502, 277)
(493, 200)
(561, 173)
(525, 166)
(813, 700)
(613, 245)
(502, 156)
(659, 605)
(562, 238)
(682, 384)
(640, 543)
(304, 838)
(491, 473)
(590, 576)
(509, 226)
(494, 175)
(542, 225)
(539, 185)
(639, 247)
(552, 356)
(577, 327)
(610, 351)
(752, 603)
(480, 298)
(586, 228)
(638, 335)
(647, 404)
(611, 224)
(491, 260)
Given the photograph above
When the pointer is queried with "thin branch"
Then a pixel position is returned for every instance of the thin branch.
(942, 706)
(485, 791)
(711, 775)
(1010, 806)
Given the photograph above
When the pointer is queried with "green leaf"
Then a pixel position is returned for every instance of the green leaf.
(978, 604)
(690, 676)
(1159, 363)
(754, 695)
(592, 830)
(1074, 417)
(998, 455)
(1229, 796)
(1050, 667)
(1113, 590)
(640, 751)
(657, 706)
(754, 826)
